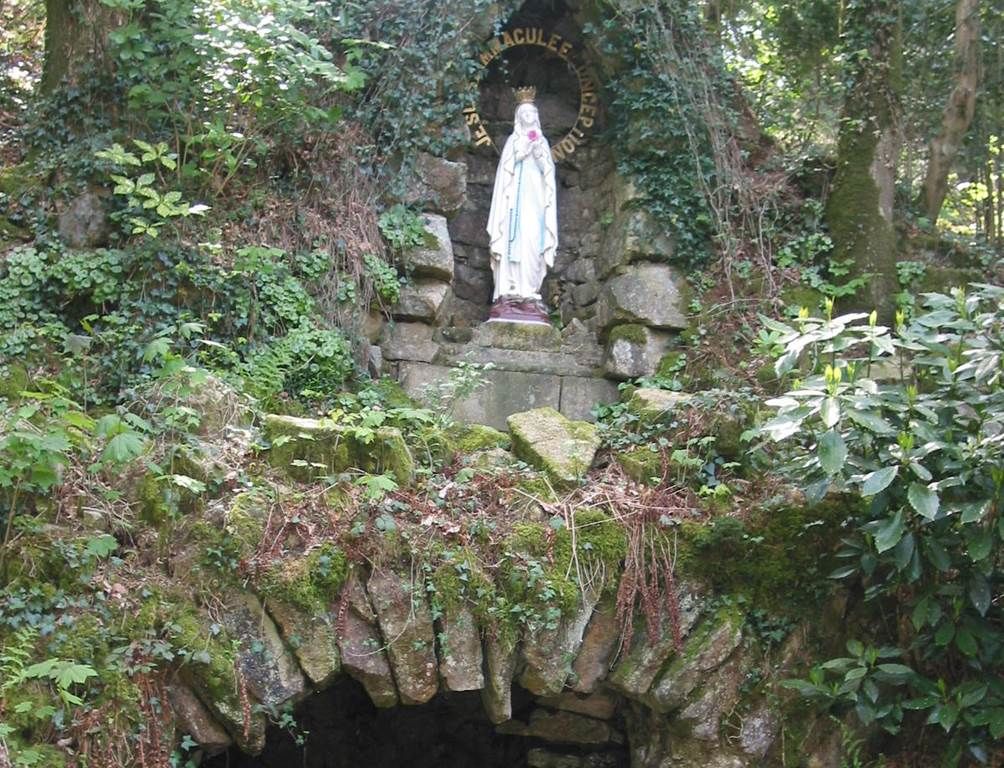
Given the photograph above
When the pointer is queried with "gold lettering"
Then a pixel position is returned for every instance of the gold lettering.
(568, 145)
(472, 117)
(587, 122)
(507, 40)
(552, 44)
(578, 134)
(537, 36)
(588, 98)
(587, 109)
(486, 58)
(565, 48)
(484, 141)
(519, 36)
(557, 153)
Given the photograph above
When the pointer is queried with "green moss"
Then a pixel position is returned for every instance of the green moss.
(640, 463)
(630, 332)
(309, 582)
(155, 506)
(938, 279)
(469, 438)
(245, 520)
(804, 296)
(308, 448)
(670, 364)
(211, 657)
(777, 558)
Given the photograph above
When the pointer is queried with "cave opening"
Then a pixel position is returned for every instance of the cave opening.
(340, 727)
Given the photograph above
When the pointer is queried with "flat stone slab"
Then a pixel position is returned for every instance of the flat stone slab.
(505, 392)
(653, 404)
(525, 336)
(562, 727)
(549, 441)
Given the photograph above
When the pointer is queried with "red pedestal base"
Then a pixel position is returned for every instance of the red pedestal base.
(510, 309)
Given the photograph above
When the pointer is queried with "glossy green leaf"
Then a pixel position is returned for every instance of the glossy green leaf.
(879, 480)
(923, 500)
(889, 533)
(832, 452)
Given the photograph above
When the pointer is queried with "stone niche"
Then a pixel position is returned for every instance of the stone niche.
(617, 301)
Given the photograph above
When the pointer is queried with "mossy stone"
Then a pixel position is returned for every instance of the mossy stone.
(546, 439)
(308, 448)
(470, 438)
(652, 405)
(632, 332)
(641, 464)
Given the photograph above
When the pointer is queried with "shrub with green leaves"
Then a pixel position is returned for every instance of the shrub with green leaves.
(911, 418)
(310, 362)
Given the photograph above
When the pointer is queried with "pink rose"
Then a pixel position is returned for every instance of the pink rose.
(532, 135)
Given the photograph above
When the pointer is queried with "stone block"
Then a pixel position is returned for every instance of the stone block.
(473, 284)
(758, 731)
(406, 624)
(581, 271)
(316, 646)
(194, 719)
(599, 643)
(469, 227)
(84, 222)
(363, 657)
(549, 441)
(306, 448)
(460, 663)
(434, 260)
(548, 654)
(653, 404)
(633, 350)
(599, 705)
(423, 300)
(649, 294)
(505, 393)
(436, 184)
(562, 728)
(705, 650)
(638, 668)
(500, 664)
(632, 236)
(585, 294)
(580, 394)
(270, 671)
(409, 341)
(524, 336)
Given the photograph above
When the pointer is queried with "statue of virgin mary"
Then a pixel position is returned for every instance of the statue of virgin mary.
(523, 220)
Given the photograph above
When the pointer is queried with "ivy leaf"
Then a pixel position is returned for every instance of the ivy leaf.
(923, 499)
(832, 452)
(889, 534)
(878, 481)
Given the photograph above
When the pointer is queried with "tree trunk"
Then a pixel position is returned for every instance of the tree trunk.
(76, 38)
(960, 109)
(860, 208)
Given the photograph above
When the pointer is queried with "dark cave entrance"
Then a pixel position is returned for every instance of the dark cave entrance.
(341, 728)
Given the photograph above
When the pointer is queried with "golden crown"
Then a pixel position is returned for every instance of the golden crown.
(525, 95)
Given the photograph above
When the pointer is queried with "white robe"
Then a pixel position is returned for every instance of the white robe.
(523, 220)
